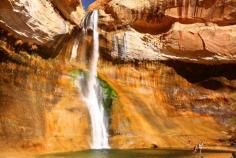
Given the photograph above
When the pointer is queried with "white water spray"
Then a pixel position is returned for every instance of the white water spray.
(91, 89)
(74, 49)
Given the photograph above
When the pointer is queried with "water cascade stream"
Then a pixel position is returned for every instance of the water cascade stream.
(74, 49)
(91, 90)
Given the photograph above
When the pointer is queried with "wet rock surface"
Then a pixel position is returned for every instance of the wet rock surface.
(41, 109)
(172, 105)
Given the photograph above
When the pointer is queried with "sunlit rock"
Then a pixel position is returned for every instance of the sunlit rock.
(171, 65)
(36, 21)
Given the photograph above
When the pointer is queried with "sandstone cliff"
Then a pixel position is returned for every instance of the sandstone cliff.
(191, 30)
(41, 22)
(194, 42)
(171, 63)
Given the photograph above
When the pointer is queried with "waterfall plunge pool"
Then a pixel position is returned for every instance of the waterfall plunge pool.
(139, 153)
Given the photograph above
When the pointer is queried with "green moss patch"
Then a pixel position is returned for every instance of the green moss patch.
(109, 93)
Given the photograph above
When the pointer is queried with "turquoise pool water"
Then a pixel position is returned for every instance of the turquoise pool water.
(144, 153)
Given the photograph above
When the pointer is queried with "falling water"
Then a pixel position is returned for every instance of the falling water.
(74, 49)
(91, 89)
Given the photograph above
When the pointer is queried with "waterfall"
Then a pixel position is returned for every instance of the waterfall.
(91, 89)
(74, 49)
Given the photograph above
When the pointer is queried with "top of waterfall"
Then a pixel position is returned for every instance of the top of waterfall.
(90, 20)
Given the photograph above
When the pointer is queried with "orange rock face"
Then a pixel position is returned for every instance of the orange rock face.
(171, 63)
(72, 10)
(42, 22)
(191, 30)
(171, 105)
(41, 108)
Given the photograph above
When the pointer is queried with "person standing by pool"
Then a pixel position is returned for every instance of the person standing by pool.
(200, 147)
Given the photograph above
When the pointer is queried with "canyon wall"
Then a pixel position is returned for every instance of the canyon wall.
(191, 30)
(170, 62)
(171, 104)
(41, 109)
